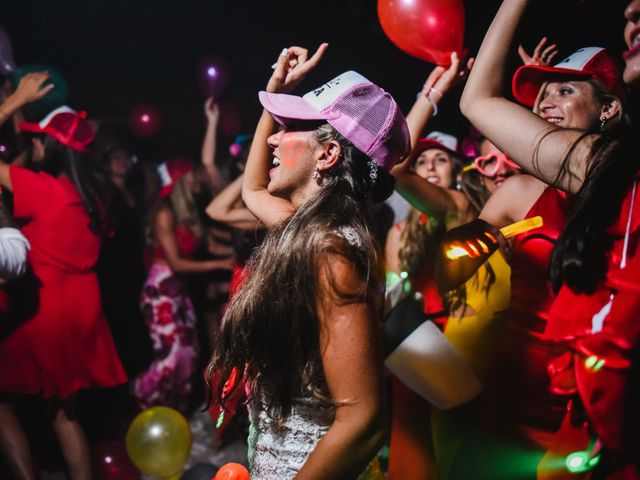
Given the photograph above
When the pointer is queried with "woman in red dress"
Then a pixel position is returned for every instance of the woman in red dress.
(63, 344)
(593, 329)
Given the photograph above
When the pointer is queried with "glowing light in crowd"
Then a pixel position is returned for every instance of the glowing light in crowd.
(145, 120)
(594, 363)
(212, 75)
(578, 462)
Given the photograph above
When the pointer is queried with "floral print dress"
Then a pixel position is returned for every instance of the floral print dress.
(171, 320)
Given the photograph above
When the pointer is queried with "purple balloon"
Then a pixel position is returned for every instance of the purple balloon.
(7, 64)
(212, 75)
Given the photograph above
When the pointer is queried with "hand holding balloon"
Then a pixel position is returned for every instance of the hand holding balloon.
(211, 110)
(291, 68)
(43, 92)
(442, 79)
(31, 87)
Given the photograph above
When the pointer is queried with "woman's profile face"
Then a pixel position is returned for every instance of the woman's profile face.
(435, 165)
(631, 74)
(570, 104)
(292, 163)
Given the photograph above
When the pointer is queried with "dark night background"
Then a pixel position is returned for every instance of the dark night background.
(116, 54)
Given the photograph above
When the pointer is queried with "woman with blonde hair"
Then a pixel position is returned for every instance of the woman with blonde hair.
(175, 235)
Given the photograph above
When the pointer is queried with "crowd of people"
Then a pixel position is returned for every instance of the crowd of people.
(486, 331)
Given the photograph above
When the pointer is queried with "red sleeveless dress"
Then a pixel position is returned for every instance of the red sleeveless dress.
(518, 393)
(597, 337)
(517, 415)
(64, 343)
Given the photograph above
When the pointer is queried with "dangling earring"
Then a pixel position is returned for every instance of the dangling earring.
(316, 176)
(603, 121)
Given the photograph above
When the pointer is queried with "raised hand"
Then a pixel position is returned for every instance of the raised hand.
(543, 54)
(31, 87)
(292, 66)
(211, 110)
(442, 79)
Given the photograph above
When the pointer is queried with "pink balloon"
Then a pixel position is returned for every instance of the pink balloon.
(426, 29)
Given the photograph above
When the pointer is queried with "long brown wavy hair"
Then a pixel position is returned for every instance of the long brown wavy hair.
(270, 331)
(421, 234)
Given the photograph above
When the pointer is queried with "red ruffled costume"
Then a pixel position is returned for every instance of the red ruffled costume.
(66, 344)
(598, 337)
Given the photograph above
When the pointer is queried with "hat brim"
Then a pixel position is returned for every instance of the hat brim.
(285, 108)
(427, 144)
(30, 127)
(71, 143)
(528, 79)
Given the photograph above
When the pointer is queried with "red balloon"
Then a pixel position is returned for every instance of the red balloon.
(426, 29)
(111, 462)
(232, 471)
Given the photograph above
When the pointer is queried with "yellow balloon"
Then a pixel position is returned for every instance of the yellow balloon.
(159, 442)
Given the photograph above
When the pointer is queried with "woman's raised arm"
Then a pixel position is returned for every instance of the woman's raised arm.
(526, 138)
(290, 69)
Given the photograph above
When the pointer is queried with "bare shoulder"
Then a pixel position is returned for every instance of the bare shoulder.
(460, 199)
(163, 217)
(512, 200)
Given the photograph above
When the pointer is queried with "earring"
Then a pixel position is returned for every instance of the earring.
(316, 175)
(603, 121)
